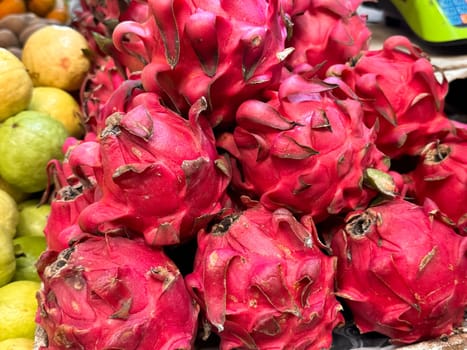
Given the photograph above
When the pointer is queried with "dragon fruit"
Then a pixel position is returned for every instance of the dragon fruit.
(263, 283)
(74, 187)
(401, 270)
(160, 174)
(96, 20)
(441, 175)
(113, 293)
(303, 150)
(401, 92)
(219, 50)
(325, 32)
(100, 83)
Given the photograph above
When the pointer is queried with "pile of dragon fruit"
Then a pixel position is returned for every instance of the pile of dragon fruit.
(253, 176)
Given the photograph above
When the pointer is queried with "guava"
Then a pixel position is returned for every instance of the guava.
(9, 215)
(27, 251)
(18, 306)
(7, 259)
(28, 141)
(17, 344)
(32, 218)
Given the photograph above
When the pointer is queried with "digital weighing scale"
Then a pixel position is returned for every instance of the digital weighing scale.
(442, 22)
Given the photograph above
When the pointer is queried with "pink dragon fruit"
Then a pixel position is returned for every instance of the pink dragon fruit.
(74, 188)
(441, 176)
(401, 271)
(219, 50)
(96, 20)
(325, 32)
(303, 150)
(102, 80)
(113, 293)
(401, 93)
(263, 283)
(160, 174)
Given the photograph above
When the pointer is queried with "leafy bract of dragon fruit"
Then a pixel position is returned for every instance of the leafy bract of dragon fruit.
(113, 293)
(303, 150)
(402, 271)
(401, 92)
(224, 51)
(324, 32)
(160, 174)
(441, 175)
(263, 283)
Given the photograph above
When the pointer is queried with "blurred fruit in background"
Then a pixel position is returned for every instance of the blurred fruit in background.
(8, 7)
(60, 12)
(9, 215)
(28, 140)
(15, 85)
(7, 261)
(60, 105)
(40, 7)
(32, 218)
(57, 56)
(27, 251)
(18, 307)
(13, 191)
(17, 344)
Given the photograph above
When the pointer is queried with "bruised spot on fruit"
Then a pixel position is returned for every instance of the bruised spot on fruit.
(65, 63)
(360, 225)
(223, 226)
(62, 259)
(437, 154)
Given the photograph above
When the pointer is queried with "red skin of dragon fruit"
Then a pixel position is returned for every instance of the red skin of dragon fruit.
(401, 271)
(74, 188)
(113, 293)
(441, 175)
(400, 92)
(160, 174)
(303, 150)
(224, 51)
(263, 283)
(97, 19)
(325, 32)
(102, 80)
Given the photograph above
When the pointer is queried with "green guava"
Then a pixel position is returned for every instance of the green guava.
(27, 251)
(9, 214)
(32, 218)
(28, 141)
(7, 259)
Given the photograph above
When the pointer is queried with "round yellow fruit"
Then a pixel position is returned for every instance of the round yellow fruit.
(18, 307)
(17, 344)
(15, 85)
(60, 105)
(9, 215)
(56, 55)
